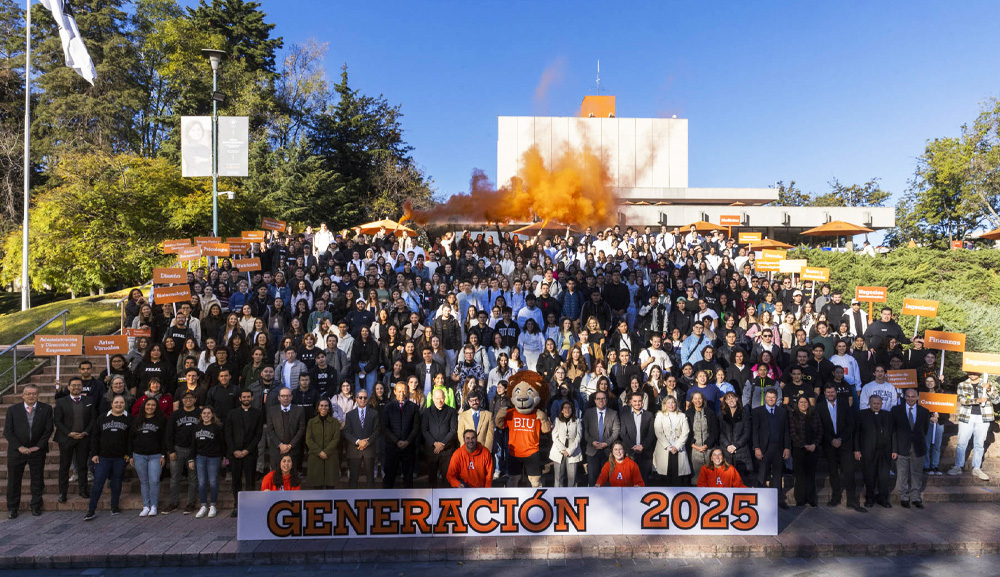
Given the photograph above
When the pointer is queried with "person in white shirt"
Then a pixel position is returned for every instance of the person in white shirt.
(653, 355)
(852, 373)
(882, 388)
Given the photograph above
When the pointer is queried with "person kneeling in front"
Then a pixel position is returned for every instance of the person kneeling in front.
(620, 471)
(471, 464)
(718, 473)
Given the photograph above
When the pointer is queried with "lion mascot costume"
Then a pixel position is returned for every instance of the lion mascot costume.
(526, 423)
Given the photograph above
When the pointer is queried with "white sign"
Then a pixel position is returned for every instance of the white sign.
(196, 146)
(505, 511)
(234, 145)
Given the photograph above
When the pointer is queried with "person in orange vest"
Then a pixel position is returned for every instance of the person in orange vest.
(471, 464)
(718, 473)
(620, 471)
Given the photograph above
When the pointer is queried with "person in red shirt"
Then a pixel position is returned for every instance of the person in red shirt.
(620, 471)
(285, 478)
(471, 465)
(719, 473)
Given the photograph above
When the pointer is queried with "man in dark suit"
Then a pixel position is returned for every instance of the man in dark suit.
(243, 427)
(873, 447)
(910, 422)
(27, 429)
(361, 428)
(400, 425)
(600, 428)
(772, 441)
(637, 434)
(73, 418)
(838, 446)
(439, 427)
(286, 427)
(428, 369)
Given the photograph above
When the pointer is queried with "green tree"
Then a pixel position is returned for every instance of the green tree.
(867, 194)
(791, 195)
(247, 35)
(102, 221)
(11, 112)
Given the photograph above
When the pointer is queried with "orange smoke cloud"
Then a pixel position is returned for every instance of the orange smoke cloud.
(574, 189)
(552, 75)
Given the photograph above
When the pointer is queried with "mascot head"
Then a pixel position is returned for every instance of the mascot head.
(527, 391)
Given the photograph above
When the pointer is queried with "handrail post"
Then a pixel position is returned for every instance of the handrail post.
(64, 315)
(15, 369)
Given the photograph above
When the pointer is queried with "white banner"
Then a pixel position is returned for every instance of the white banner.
(502, 511)
(196, 146)
(234, 146)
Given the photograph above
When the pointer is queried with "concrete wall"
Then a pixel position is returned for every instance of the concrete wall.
(758, 217)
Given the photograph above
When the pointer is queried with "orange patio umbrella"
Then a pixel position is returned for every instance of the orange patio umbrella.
(837, 228)
(702, 226)
(390, 225)
(991, 235)
(769, 243)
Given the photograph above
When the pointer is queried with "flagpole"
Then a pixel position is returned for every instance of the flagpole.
(25, 283)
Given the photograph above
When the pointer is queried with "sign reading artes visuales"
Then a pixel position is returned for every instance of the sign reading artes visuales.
(506, 511)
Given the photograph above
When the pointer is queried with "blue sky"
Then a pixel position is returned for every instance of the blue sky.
(774, 91)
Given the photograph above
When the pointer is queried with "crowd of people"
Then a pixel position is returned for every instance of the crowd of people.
(348, 362)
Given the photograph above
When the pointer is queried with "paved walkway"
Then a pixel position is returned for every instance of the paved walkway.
(63, 540)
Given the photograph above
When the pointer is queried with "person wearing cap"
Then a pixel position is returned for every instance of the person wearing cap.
(857, 319)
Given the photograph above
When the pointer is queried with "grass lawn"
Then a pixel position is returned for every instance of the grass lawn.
(23, 367)
(97, 315)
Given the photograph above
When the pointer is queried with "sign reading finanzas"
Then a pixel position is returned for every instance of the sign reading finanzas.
(506, 511)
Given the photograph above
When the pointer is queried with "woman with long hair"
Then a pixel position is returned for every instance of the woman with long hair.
(718, 473)
(149, 452)
(548, 361)
(284, 478)
(704, 426)
(207, 451)
(164, 401)
(935, 432)
(565, 452)
(620, 470)
(531, 342)
(109, 447)
(734, 434)
(807, 434)
(670, 460)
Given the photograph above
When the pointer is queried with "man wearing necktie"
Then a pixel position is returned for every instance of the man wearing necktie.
(910, 422)
(478, 419)
(772, 441)
(27, 429)
(73, 418)
(400, 425)
(361, 430)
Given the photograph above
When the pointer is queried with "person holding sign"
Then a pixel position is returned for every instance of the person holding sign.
(976, 397)
(935, 430)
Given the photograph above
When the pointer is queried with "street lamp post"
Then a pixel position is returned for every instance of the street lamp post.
(215, 58)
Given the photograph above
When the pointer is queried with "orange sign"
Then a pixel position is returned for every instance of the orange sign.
(189, 253)
(172, 246)
(939, 403)
(253, 235)
(773, 253)
(871, 294)
(902, 379)
(980, 363)
(215, 249)
(749, 237)
(204, 240)
(139, 332)
(238, 247)
(247, 264)
(815, 273)
(730, 220)
(109, 345)
(920, 308)
(945, 341)
(768, 265)
(957, 245)
(171, 294)
(169, 275)
(272, 224)
(55, 345)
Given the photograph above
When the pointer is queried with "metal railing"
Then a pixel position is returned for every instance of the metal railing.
(12, 349)
(121, 306)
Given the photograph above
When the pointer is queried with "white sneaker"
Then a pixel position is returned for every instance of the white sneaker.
(211, 511)
(956, 470)
(977, 472)
(201, 512)
(153, 512)
(144, 512)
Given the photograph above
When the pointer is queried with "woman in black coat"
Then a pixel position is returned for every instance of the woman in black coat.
(699, 447)
(734, 435)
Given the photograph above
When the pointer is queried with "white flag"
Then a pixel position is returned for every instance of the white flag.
(74, 49)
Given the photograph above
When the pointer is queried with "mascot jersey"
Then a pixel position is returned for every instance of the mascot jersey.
(525, 431)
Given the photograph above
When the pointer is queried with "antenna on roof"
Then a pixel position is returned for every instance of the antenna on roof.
(598, 77)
